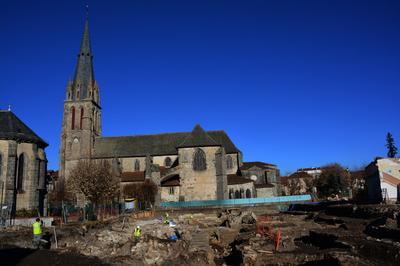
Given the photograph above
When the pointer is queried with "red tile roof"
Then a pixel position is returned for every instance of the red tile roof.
(284, 180)
(237, 180)
(137, 176)
(390, 179)
(171, 181)
(163, 170)
(300, 175)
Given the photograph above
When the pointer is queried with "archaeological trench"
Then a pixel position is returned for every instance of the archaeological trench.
(308, 234)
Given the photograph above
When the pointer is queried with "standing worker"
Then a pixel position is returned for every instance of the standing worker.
(37, 232)
(137, 233)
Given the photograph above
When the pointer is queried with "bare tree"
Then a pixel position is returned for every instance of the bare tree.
(294, 186)
(300, 185)
(95, 180)
(334, 179)
(60, 192)
(144, 191)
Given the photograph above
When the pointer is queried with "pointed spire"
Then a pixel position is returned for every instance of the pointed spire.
(84, 74)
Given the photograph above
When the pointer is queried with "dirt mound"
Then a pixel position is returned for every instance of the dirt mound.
(25, 256)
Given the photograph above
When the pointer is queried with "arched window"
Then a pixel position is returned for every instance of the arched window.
(237, 194)
(167, 162)
(241, 193)
(137, 165)
(231, 193)
(77, 95)
(73, 118)
(229, 162)
(93, 120)
(248, 193)
(199, 160)
(81, 118)
(21, 170)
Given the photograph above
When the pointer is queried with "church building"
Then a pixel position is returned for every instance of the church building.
(23, 166)
(194, 165)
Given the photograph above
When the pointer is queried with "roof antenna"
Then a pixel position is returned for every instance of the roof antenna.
(9, 107)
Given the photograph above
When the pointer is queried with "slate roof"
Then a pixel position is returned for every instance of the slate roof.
(159, 144)
(198, 138)
(309, 169)
(262, 165)
(263, 185)
(12, 128)
(84, 67)
(237, 180)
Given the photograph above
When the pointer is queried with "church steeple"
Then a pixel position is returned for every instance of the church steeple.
(84, 74)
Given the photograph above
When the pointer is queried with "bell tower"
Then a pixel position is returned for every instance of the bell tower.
(82, 111)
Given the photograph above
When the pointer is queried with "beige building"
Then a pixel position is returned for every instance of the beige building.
(382, 179)
(22, 165)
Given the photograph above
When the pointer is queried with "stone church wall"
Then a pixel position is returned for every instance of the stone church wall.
(4, 144)
(166, 196)
(34, 171)
(160, 160)
(198, 185)
(265, 192)
(128, 163)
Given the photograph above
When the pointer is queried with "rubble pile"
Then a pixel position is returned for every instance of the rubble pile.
(235, 237)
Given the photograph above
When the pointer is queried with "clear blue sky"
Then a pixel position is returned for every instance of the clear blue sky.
(296, 83)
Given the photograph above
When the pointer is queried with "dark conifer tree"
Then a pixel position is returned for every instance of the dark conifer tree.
(392, 149)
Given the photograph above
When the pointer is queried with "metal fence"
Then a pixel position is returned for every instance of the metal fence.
(69, 212)
(249, 201)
